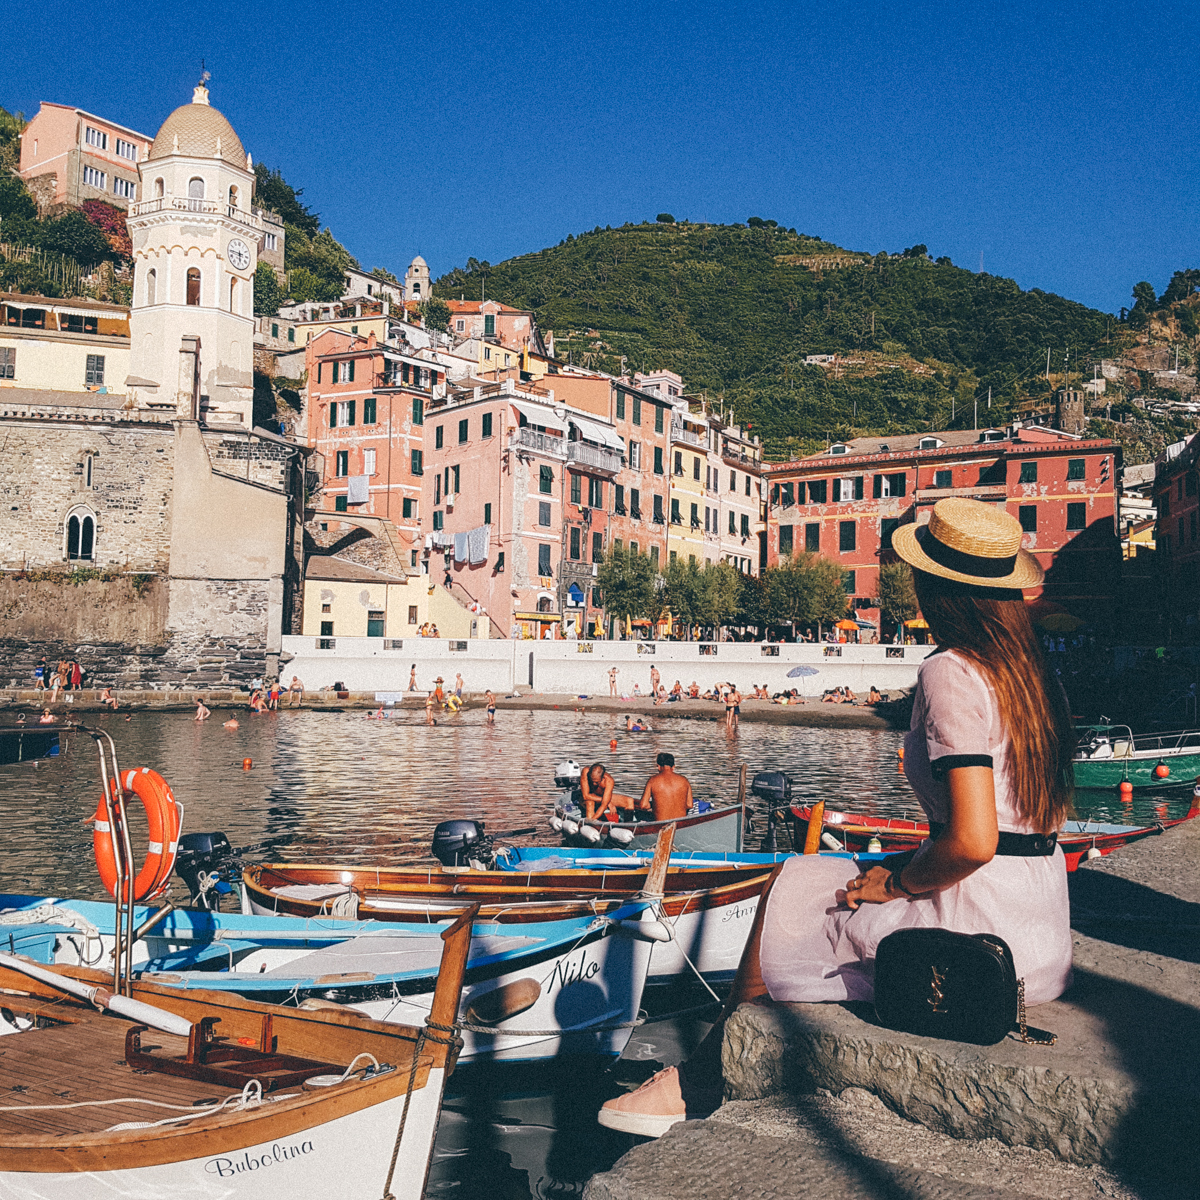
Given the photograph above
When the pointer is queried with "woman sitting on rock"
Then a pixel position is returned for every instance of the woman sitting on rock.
(989, 757)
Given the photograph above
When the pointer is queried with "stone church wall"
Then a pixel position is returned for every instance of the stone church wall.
(217, 631)
(115, 627)
(42, 477)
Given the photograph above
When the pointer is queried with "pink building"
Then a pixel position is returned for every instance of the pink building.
(513, 328)
(366, 413)
(509, 473)
(69, 156)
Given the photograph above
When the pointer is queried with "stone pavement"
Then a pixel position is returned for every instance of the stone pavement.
(848, 1147)
(1120, 1089)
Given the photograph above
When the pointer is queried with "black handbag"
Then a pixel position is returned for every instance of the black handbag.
(958, 986)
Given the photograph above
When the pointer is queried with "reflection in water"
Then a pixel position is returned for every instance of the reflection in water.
(339, 787)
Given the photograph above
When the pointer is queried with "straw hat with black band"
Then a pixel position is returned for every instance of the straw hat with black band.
(969, 542)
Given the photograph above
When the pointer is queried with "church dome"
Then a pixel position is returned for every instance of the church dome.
(417, 263)
(195, 130)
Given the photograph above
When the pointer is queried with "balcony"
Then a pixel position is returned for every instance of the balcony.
(680, 434)
(599, 457)
(211, 208)
(539, 443)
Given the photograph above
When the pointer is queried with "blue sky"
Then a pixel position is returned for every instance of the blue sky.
(1057, 141)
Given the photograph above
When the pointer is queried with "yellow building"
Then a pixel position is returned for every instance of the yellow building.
(689, 531)
(63, 345)
(376, 323)
(345, 599)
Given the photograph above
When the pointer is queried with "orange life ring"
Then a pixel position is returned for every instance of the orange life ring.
(165, 816)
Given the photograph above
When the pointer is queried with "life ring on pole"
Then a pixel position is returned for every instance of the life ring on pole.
(165, 817)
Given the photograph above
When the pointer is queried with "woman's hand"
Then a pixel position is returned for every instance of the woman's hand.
(869, 887)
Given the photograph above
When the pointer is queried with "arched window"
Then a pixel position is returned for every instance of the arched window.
(233, 196)
(151, 285)
(233, 286)
(81, 535)
(195, 194)
(158, 189)
(193, 285)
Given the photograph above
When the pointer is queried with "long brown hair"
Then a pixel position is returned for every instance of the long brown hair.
(991, 628)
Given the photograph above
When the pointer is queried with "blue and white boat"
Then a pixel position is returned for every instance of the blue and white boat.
(533, 991)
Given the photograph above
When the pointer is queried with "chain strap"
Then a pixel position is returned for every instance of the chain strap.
(1041, 1037)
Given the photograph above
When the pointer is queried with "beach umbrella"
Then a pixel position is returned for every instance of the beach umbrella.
(846, 624)
(801, 671)
(917, 623)
(861, 624)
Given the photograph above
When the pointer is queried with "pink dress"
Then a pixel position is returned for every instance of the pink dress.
(814, 948)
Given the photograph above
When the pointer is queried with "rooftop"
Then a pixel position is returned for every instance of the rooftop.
(332, 569)
(198, 130)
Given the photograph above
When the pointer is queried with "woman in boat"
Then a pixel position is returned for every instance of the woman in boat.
(988, 755)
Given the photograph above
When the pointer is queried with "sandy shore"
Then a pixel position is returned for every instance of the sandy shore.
(812, 714)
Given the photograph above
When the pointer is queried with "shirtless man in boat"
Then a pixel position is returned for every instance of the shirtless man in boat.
(600, 802)
(668, 794)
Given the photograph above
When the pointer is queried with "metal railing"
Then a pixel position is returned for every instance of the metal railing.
(600, 457)
(543, 443)
(680, 434)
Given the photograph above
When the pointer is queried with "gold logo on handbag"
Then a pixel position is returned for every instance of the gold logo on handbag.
(937, 998)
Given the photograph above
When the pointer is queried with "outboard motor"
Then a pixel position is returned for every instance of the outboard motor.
(206, 861)
(776, 789)
(567, 774)
(456, 843)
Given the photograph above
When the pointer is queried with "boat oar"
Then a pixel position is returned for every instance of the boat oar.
(125, 1006)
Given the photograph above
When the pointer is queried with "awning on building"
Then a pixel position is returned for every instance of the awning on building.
(593, 431)
(535, 414)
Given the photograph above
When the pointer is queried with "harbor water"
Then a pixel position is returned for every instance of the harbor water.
(341, 787)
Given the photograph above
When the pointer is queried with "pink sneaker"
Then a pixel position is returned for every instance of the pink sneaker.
(651, 1110)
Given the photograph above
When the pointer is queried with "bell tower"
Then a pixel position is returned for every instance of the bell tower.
(195, 245)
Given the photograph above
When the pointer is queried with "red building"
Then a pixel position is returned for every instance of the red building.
(846, 502)
(1177, 537)
(366, 412)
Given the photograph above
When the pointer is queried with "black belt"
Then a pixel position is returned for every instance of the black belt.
(1014, 845)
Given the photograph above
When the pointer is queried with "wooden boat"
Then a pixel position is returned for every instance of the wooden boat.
(240, 1100)
(855, 831)
(386, 970)
(1109, 755)
(707, 912)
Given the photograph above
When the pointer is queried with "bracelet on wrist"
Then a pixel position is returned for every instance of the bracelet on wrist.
(895, 880)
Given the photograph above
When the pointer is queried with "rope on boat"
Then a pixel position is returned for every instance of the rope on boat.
(251, 1096)
(431, 1031)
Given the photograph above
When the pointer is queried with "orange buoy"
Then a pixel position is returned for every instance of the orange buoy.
(1162, 771)
(247, 763)
(1126, 788)
(164, 815)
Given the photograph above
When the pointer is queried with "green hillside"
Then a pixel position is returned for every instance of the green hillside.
(735, 309)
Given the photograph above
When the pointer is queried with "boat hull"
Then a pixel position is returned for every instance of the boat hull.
(1078, 838)
(1138, 770)
(344, 1159)
(715, 830)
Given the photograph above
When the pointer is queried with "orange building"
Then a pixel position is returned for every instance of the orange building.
(69, 156)
(366, 414)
